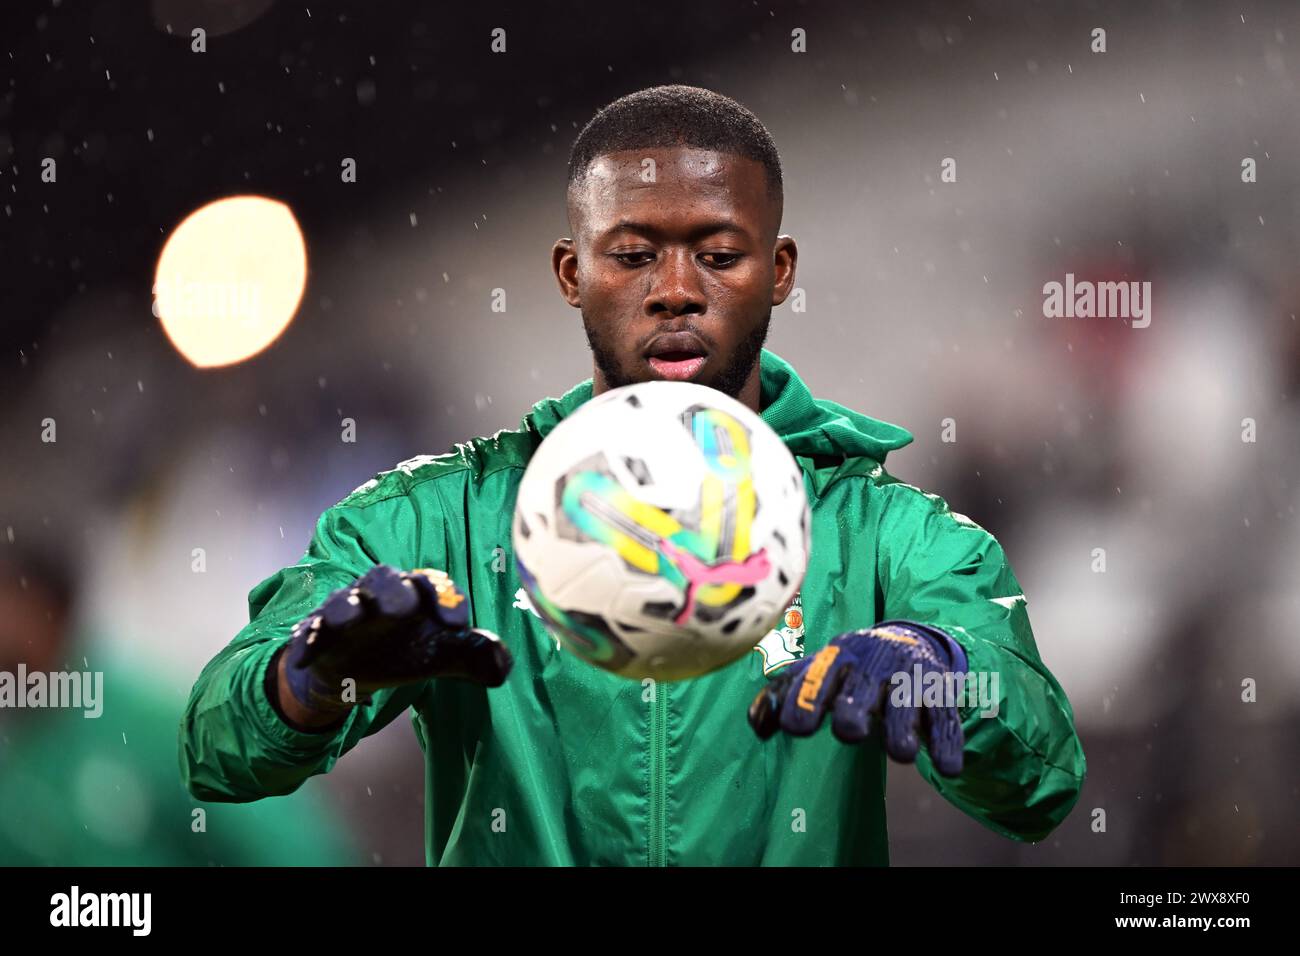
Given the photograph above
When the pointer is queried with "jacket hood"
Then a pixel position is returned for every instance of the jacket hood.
(809, 426)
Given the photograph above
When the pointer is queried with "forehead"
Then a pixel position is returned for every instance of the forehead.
(671, 182)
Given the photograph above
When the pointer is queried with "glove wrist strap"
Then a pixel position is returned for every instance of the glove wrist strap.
(309, 687)
(943, 642)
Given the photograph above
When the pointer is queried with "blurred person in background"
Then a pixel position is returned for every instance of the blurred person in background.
(83, 790)
(1141, 553)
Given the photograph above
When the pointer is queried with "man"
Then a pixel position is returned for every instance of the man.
(533, 756)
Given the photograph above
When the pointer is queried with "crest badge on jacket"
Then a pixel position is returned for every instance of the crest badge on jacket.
(784, 643)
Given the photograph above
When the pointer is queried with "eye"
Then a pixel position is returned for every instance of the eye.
(624, 257)
(722, 260)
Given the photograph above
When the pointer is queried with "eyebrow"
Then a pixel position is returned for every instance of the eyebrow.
(706, 228)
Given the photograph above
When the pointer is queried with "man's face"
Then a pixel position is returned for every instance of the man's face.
(675, 267)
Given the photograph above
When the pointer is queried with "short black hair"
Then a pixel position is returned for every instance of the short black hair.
(677, 115)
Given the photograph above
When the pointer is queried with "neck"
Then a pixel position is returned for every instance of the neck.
(750, 394)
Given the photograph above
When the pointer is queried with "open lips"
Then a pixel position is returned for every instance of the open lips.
(677, 356)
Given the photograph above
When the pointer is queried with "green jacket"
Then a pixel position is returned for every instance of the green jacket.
(568, 764)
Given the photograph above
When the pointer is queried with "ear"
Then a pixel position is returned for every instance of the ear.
(564, 262)
(785, 257)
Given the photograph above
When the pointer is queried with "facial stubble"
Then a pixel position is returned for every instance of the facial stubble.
(729, 381)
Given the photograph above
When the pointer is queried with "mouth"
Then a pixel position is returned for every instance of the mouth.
(677, 366)
(677, 356)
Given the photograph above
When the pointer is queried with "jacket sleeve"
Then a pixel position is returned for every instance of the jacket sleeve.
(1023, 767)
(234, 747)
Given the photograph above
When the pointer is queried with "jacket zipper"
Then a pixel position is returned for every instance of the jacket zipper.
(658, 774)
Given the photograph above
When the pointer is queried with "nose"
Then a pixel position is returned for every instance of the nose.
(674, 286)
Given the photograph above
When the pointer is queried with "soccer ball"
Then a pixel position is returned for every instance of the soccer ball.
(661, 530)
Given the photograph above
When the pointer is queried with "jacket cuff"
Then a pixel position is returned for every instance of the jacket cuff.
(274, 723)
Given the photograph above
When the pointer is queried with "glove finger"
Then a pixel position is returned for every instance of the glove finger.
(902, 722)
(308, 650)
(385, 589)
(475, 655)
(946, 739)
(440, 598)
(859, 697)
(376, 574)
(341, 608)
(765, 710)
(811, 691)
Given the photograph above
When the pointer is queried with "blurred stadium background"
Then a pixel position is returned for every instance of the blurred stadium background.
(924, 303)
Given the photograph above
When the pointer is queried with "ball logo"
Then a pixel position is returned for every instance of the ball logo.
(713, 563)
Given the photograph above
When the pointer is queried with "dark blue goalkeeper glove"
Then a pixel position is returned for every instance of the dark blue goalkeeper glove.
(854, 678)
(389, 628)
